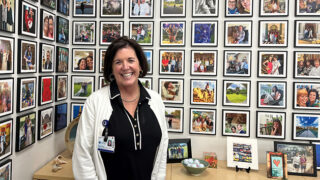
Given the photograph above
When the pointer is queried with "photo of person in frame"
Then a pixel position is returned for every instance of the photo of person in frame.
(171, 62)
(141, 8)
(203, 121)
(64, 6)
(308, 65)
(235, 123)
(170, 91)
(6, 88)
(29, 19)
(84, 32)
(112, 7)
(27, 129)
(274, 6)
(237, 63)
(239, 7)
(6, 55)
(7, 20)
(306, 34)
(307, 96)
(83, 60)
(62, 87)
(48, 26)
(309, 7)
(204, 7)
(275, 97)
(141, 32)
(270, 124)
(84, 7)
(111, 32)
(28, 58)
(172, 33)
(272, 64)
(170, 7)
(28, 94)
(63, 30)
(63, 59)
(273, 33)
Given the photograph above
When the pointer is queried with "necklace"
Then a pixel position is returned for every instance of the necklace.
(133, 100)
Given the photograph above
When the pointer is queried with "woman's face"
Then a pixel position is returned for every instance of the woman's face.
(245, 4)
(90, 63)
(233, 130)
(276, 125)
(302, 99)
(126, 67)
(83, 64)
(45, 27)
(312, 96)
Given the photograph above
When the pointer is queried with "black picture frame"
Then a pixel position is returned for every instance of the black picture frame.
(301, 25)
(305, 12)
(136, 13)
(171, 113)
(7, 84)
(175, 142)
(170, 69)
(82, 94)
(8, 42)
(304, 88)
(113, 13)
(62, 38)
(75, 112)
(177, 86)
(24, 29)
(102, 53)
(199, 128)
(200, 40)
(49, 91)
(265, 99)
(237, 131)
(102, 82)
(305, 126)
(63, 8)
(7, 125)
(7, 165)
(264, 71)
(51, 5)
(79, 54)
(83, 39)
(291, 152)
(201, 92)
(304, 57)
(10, 28)
(239, 10)
(236, 83)
(62, 59)
(45, 67)
(23, 104)
(211, 11)
(175, 9)
(149, 55)
(23, 65)
(281, 9)
(146, 25)
(317, 147)
(31, 128)
(60, 117)
(82, 8)
(196, 56)
(231, 66)
(45, 122)
(263, 28)
(61, 92)
(106, 40)
(164, 43)
(147, 82)
(263, 129)
(43, 16)
(234, 28)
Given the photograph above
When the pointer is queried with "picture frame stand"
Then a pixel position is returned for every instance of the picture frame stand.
(248, 169)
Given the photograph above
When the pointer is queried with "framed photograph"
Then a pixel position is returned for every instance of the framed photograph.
(242, 153)
(306, 33)
(81, 87)
(235, 123)
(273, 33)
(176, 156)
(6, 169)
(61, 88)
(102, 82)
(317, 146)
(110, 31)
(301, 157)
(174, 118)
(237, 63)
(272, 64)
(49, 4)
(204, 63)
(239, 8)
(27, 54)
(10, 21)
(272, 94)
(6, 137)
(61, 112)
(236, 93)
(205, 8)
(146, 82)
(45, 122)
(6, 91)
(142, 32)
(172, 62)
(28, 19)
(306, 96)
(271, 124)
(46, 57)
(204, 33)
(84, 8)
(203, 121)
(112, 9)
(102, 53)
(305, 126)
(26, 130)
(62, 59)
(76, 110)
(306, 64)
(45, 90)
(63, 7)
(171, 8)
(62, 30)
(172, 33)
(83, 60)
(307, 8)
(26, 93)
(7, 52)
(277, 165)
(47, 24)
(171, 90)
(274, 8)
(203, 91)
(149, 55)
(141, 9)
(238, 33)
(84, 32)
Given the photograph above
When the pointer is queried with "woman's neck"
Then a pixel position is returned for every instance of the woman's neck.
(129, 93)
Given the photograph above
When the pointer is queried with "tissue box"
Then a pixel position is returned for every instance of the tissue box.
(211, 158)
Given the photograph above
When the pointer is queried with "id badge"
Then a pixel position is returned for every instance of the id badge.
(106, 146)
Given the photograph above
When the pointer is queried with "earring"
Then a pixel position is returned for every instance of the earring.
(140, 73)
(111, 77)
